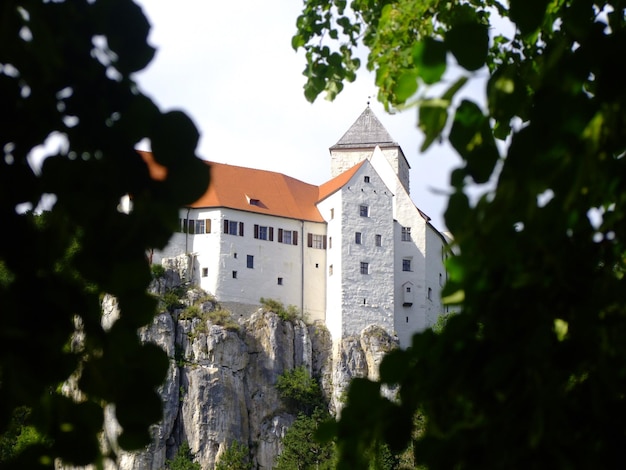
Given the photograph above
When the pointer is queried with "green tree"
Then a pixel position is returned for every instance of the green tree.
(236, 457)
(183, 459)
(300, 391)
(531, 372)
(303, 395)
(66, 85)
(300, 448)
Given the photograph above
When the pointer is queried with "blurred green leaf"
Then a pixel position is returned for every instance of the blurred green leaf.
(528, 14)
(469, 43)
(429, 56)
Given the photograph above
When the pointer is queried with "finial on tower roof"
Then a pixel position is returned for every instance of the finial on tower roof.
(368, 101)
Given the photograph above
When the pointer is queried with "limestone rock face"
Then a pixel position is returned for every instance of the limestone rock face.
(221, 383)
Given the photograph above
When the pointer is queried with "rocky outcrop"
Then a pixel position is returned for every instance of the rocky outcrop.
(221, 381)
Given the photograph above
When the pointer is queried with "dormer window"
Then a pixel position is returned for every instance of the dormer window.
(253, 201)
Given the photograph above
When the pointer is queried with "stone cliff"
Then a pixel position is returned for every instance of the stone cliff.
(221, 382)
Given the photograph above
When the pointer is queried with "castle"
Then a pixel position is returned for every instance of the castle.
(352, 252)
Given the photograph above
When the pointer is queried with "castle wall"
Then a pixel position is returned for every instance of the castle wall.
(367, 294)
(344, 159)
(331, 209)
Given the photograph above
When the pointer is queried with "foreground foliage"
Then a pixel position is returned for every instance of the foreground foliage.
(66, 81)
(532, 372)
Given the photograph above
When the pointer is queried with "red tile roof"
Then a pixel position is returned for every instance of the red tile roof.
(338, 182)
(271, 193)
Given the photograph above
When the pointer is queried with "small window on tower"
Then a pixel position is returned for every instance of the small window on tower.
(366, 179)
(365, 268)
(205, 272)
(234, 274)
(280, 281)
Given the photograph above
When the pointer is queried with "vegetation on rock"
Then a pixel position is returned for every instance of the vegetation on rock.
(234, 458)
(289, 313)
(303, 396)
(183, 459)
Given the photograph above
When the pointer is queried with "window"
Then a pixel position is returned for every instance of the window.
(357, 238)
(280, 281)
(406, 234)
(408, 290)
(205, 272)
(234, 274)
(430, 294)
(440, 279)
(332, 214)
(235, 255)
(365, 268)
(330, 242)
(263, 233)
(289, 237)
(254, 202)
(364, 211)
(330, 270)
(379, 240)
(199, 226)
(193, 226)
(366, 179)
(232, 227)
(250, 261)
(406, 264)
(316, 241)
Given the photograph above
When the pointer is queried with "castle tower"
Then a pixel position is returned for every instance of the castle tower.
(359, 142)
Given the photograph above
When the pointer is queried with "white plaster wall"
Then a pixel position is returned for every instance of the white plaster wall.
(344, 159)
(436, 275)
(334, 313)
(367, 298)
(314, 275)
(271, 261)
(408, 319)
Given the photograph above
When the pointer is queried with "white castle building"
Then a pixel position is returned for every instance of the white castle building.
(352, 252)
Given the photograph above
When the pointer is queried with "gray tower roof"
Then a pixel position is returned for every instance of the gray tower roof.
(367, 131)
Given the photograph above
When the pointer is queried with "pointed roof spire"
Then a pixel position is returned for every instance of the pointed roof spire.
(367, 131)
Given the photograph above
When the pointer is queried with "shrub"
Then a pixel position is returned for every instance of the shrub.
(157, 271)
(289, 314)
(172, 300)
(223, 317)
(193, 311)
(234, 458)
(183, 459)
(300, 391)
(302, 450)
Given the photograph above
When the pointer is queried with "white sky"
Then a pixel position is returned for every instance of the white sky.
(230, 66)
